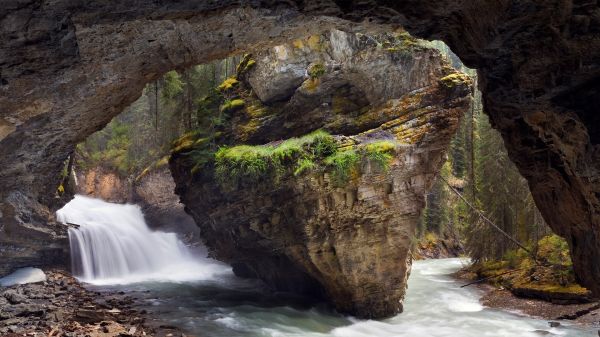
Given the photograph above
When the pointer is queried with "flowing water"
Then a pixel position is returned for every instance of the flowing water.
(113, 245)
(201, 296)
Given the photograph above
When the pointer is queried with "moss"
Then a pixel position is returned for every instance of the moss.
(304, 165)
(228, 84)
(380, 152)
(245, 65)
(184, 142)
(256, 110)
(232, 105)
(343, 165)
(244, 163)
(316, 70)
(246, 131)
(455, 79)
(162, 162)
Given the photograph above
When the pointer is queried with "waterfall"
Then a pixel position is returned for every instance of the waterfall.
(113, 245)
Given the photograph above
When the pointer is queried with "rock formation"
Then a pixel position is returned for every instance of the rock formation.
(153, 191)
(392, 107)
(67, 67)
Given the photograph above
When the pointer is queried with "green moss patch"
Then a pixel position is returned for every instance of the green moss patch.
(245, 163)
(228, 84)
(380, 152)
(232, 105)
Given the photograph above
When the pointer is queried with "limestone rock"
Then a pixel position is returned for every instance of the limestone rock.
(349, 242)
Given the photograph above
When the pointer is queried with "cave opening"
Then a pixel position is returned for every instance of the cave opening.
(372, 169)
(268, 117)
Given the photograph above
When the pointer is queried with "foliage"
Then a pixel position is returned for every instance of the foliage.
(172, 85)
(304, 165)
(233, 105)
(381, 153)
(554, 250)
(228, 84)
(343, 164)
(142, 134)
(245, 163)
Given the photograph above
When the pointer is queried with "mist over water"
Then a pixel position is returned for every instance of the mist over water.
(113, 245)
(114, 250)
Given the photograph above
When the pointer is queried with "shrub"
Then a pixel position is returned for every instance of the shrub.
(555, 250)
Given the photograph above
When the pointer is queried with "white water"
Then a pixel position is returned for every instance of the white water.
(113, 245)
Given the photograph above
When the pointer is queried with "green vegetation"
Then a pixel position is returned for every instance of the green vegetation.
(381, 153)
(172, 106)
(343, 164)
(316, 151)
(551, 274)
(304, 165)
(244, 163)
(228, 84)
(246, 64)
(316, 70)
(233, 105)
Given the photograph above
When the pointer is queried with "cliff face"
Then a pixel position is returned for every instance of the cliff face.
(67, 68)
(153, 191)
(339, 222)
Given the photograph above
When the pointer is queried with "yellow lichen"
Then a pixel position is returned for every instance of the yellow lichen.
(298, 44)
(314, 43)
(455, 79)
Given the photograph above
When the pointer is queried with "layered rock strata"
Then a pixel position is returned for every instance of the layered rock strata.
(66, 68)
(392, 107)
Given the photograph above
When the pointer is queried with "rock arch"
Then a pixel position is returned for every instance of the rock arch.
(67, 67)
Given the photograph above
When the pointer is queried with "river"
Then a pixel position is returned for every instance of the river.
(203, 297)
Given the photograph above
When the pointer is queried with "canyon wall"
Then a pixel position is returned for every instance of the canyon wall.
(304, 224)
(68, 67)
(153, 191)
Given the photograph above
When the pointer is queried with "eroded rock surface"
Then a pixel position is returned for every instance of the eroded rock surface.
(66, 68)
(306, 231)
